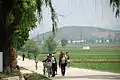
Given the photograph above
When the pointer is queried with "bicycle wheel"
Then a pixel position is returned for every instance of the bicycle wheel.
(48, 71)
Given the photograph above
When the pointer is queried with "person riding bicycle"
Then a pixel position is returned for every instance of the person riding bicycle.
(47, 63)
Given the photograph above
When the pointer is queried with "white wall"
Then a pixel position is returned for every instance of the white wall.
(1, 61)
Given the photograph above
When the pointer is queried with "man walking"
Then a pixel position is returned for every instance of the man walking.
(23, 56)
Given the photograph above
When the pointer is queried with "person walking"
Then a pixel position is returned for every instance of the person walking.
(36, 62)
(68, 59)
(23, 56)
(44, 64)
(54, 66)
(62, 63)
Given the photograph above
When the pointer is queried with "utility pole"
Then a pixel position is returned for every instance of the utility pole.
(109, 36)
(81, 36)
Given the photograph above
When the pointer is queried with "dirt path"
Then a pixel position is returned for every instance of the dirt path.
(71, 73)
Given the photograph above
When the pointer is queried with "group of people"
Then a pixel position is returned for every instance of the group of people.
(64, 60)
(50, 58)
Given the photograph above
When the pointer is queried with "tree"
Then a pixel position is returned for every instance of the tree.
(17, 18)
(116, 6)
(64, 42)
(50, 44)
(31, 47)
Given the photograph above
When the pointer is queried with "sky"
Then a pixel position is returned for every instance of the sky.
(96, 13)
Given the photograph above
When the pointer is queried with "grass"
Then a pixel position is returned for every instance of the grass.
(35, 76)
(12, 74)
(96, 52)
(111, 67)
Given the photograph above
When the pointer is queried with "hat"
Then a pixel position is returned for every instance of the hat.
(52, 54)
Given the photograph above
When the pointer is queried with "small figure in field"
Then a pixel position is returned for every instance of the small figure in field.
(23, 56)
(68, 59)
(62, 63)
(36, 62)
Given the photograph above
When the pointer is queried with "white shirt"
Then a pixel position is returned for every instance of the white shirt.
(63, 60)
(53, 60)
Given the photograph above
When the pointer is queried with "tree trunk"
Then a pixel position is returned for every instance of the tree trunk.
(5, 36)
(5, 47)
(6, 60)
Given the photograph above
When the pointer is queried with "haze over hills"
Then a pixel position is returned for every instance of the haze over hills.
(81, 32)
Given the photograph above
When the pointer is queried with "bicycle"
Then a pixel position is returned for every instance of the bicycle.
(47, 68)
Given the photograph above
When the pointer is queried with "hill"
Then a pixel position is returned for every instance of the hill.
(81, 32)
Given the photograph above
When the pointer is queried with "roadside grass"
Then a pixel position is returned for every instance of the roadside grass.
(35, 76)
(12, 74)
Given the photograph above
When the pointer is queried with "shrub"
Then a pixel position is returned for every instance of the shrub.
(35, 76)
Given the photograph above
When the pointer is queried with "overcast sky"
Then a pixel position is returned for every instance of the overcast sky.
(97, 13)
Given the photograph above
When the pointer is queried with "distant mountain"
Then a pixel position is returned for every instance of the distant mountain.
(81, 32)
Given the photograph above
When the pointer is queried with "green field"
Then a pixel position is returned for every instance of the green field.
(96, 52)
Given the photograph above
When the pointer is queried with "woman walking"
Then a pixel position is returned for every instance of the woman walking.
(68, 59)
(62, 63)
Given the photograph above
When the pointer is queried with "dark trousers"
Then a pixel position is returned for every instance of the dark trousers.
(53, 69)
(63, 69)
(23, 58)
(36, 66)
(56, 68)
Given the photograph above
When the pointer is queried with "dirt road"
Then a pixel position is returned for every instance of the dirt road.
(71, 73)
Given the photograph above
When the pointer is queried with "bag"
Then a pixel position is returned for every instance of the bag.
(68, 60)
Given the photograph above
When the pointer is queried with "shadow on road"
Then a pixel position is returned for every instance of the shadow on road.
(91, 77)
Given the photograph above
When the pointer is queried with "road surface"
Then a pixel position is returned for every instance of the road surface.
(71, 73)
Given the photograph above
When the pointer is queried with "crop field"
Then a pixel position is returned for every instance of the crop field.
(96, 52)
